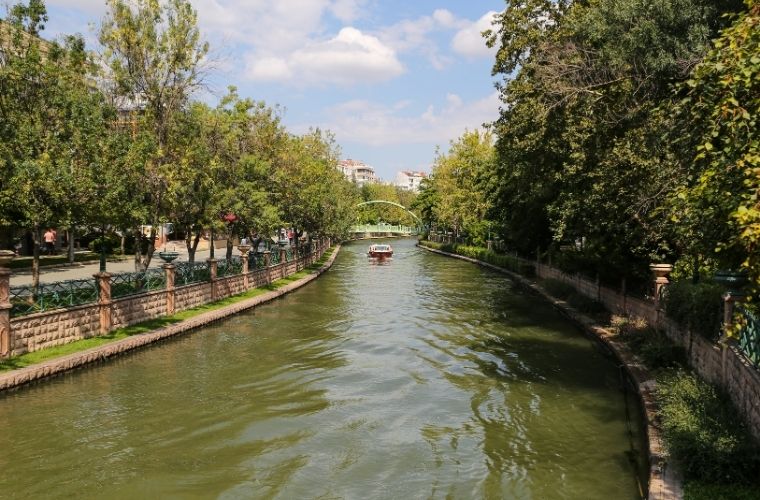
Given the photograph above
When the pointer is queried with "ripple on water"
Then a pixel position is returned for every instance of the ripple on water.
(423, 377)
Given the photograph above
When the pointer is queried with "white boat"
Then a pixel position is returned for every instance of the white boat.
(380, 251)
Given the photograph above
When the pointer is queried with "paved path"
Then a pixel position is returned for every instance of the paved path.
(84, 271)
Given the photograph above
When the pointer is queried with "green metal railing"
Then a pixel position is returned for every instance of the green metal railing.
(29, 300)
(187, 273)
(125, 284)
(749, 336)
(229, 267)
(385, 228)
(274, 257)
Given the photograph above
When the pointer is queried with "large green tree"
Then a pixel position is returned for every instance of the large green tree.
(582, 158)
(155, 57)
(53, 127)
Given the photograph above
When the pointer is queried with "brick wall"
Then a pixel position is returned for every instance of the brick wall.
(52, 328)
(136, 309)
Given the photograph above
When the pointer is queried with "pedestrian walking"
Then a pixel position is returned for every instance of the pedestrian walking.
(49, 239)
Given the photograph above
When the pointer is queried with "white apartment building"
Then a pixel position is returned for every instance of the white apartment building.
(409, 180)
(358, 171)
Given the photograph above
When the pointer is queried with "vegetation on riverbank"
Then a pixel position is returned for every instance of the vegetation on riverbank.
(35, 357)
(125, 148)
(701, 427)
(627, 135)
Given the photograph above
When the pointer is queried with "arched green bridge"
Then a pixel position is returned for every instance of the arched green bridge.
(388, 229)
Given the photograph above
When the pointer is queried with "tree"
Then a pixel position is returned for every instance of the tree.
(581, 155)
(155, 55)
(720, 106)
(52, 128)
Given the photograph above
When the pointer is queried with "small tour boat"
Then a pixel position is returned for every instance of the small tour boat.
(380, 251)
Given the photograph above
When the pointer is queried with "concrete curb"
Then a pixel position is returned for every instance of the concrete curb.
(665, 482)
(16, 378)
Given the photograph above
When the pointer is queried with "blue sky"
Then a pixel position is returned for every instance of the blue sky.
(392, 79)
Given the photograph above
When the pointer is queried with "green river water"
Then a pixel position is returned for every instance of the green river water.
(421, 377)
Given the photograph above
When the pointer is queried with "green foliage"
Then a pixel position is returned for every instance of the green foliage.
(110, 242)
(698, 307)
(702, 490)
(703, 431)
(654, 348)
(454, 197)
(582, 156)
(497, 259)
(720, 106)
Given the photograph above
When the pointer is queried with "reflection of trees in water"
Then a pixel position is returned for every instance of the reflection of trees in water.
(521, 366)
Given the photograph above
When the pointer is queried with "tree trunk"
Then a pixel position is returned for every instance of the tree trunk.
(192, 243)
(123, 243)
(36, 258)
(138, 250)
(143, 261)
(70, 239)
(229, 247)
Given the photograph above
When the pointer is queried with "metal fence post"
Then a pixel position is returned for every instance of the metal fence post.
(104, 301)
(170, 271)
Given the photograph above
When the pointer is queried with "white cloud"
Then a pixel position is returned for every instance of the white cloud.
(376, 124)
(414, 35)
(469, 42)
(347, 10)
(349, 57)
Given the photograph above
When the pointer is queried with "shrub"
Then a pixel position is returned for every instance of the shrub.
(703, 431)
(698, 307)
(654, 348)
(109, 241)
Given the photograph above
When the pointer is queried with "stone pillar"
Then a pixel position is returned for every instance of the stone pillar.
(729, 304)
(104, 301)
(283, 256)
(244, 257)
(267, 262)
(170, 270)
(660, 272)
(212, 278)
(244, 249)
(6, 336)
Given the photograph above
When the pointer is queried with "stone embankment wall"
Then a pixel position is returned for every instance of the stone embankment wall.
(723, 364)
(51, 328)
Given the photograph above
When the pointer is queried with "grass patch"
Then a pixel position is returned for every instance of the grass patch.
(654, 348)
(698, 490)
(704, 433)
(702, 429)
(35, 357)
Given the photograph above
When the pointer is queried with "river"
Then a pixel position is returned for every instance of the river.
(420, 377)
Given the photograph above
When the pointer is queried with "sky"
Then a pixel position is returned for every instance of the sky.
(392, 79)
